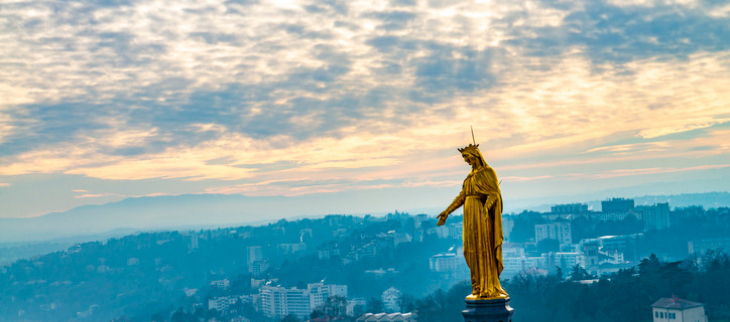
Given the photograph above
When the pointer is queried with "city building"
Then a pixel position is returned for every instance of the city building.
(702, 245)
(456, 230)
(353, 304)
(221, 284)
(564, 261)
(253, 253)
(513, 261)
(277, 302)
(320, 292)
(391, 299)
(291, 248)
(617, 205)
(194, 241)
(678, 310)
(508, 223)
(566, 211)
(590, 259)
(223, 303)
(655, 217)
(447, 263)
(559, 231)
(573, 208)
(328, 253)
(258, 268)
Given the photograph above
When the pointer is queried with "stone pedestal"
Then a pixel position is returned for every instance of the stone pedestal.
(497, 310)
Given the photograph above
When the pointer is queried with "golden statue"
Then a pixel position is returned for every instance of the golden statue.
(483, 236)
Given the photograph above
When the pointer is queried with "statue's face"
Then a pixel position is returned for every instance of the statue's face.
(470, 159)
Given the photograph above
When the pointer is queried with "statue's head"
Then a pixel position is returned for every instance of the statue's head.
(473, 156)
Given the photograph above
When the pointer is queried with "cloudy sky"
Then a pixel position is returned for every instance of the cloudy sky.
(108, 99)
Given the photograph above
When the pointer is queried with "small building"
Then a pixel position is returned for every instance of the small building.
(674, 309)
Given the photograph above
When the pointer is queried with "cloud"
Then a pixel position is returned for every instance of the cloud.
(4, 184)
(241, 92)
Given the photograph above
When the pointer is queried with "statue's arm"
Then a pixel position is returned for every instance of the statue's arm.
(458, 202)
(491, 200)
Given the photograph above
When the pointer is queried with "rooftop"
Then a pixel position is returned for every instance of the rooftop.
(675, 303)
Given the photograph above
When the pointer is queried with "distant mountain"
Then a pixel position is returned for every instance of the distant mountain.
(215, 210)
(144, 213)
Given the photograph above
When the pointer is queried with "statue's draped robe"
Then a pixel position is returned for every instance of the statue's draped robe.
(483, 236)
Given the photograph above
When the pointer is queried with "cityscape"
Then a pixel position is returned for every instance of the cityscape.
(297, 160)
(365, 268)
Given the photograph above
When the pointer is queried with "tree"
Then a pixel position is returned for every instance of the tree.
(579, 273)
(335, 306)
(375, 305)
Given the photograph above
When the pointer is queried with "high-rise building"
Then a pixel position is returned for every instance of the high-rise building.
(655, 217)
(253, 253)
(559, 231)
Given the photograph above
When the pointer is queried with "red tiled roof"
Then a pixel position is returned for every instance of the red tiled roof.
(675, 303)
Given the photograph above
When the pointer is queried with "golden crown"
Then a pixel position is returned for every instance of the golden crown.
(469, 147)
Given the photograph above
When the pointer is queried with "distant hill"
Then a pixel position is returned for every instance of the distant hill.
(168, 212)
(214, 210)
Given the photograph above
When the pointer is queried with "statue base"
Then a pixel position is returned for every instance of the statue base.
(497, 310)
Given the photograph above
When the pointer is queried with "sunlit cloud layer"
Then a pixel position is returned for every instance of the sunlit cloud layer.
(301, 97)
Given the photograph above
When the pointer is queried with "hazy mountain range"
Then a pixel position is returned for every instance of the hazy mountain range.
(211, 210)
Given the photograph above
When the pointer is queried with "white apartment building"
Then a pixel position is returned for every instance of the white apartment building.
(277, 301)
(447, 263)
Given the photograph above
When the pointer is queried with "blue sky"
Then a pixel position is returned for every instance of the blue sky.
(105, 100)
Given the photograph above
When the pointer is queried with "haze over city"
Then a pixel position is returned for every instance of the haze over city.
(358, 107)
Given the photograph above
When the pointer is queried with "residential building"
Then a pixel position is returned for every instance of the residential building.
(456, 230)
(328, 253)
(447, 263)
(566, 211)
(573, 208)
(559, 231)
(353, 304)
(513, 261)
(589, 249)
(258, 268)
(678, 310)
(391, 299)
(702, 245)
(320, 292)
(221, 284)
(564, 261)
(277, 301)
(291, 248)
(253, 253)
(655, 217)
(617, 205)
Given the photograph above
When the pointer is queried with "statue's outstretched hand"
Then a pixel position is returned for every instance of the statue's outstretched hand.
(442, 218)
